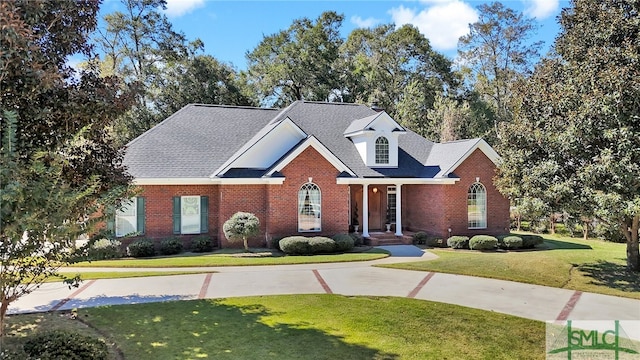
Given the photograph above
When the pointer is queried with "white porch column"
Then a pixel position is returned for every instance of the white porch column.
(365, 210)
(398, 210)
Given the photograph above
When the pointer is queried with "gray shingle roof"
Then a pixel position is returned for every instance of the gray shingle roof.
(198, 139)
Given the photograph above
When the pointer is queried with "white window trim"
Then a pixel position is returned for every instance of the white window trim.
(388, 150)
(484, 206)
(133, 202)
(391, 190)
(320, 205)
(182, 222)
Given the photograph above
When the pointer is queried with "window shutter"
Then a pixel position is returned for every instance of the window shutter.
(110, 213)
(204, 214)
(176, 215)
(140, 212)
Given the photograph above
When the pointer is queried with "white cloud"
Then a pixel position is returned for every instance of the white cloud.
(443, 22)
(177, 8)
(541, 9)
(365, 23)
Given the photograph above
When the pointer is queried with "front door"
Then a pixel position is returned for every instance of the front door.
(375, 215)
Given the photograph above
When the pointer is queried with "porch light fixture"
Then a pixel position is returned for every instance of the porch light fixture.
(375, 190)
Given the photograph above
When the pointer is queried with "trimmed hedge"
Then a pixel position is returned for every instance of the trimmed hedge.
(420, 238)
(105, 249)
(275, 243)
(58, 344)
(436, 242)
(511, 242)
(358, 240)
(171, 246)
(344, 242)
(483, 242)
(201, 244)
(300, 245)
(458, 242)
(141, 248)
(531, 241)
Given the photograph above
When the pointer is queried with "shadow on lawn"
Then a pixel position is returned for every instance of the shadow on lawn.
(215, 330)
(611, 275)
(564, 245)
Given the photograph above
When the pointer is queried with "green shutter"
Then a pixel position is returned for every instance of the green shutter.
(204, 214)
(140, 212)
(110, 214)
(176, 214)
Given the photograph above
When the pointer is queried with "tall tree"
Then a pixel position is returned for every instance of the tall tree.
(380, 64)
(496, 53)
(576, 137)
(57, 163)
(297, 63)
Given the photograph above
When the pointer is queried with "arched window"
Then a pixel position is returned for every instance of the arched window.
(382, 150)
(309, 208)
(477, 206)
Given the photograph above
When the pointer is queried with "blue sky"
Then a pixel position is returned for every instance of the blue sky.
(231, 28)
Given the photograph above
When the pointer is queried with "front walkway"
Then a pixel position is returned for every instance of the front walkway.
(351, 279)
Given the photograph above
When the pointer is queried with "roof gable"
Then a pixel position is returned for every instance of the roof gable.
(372, 122)
(313, 142)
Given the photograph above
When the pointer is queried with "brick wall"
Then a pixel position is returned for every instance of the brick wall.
(246, 198)
(435, 209)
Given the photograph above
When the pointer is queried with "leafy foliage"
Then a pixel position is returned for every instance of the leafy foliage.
(241, 226)
(59, 344)
(171, 246)
(301, 245)
(201, 243)
(344, 242)
(458, 242)
(483, 242)
(104, 249)
(141, 248)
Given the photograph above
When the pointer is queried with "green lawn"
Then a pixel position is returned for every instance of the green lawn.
(95, 275)
(591, 265)
(233, 258)
(316, 327)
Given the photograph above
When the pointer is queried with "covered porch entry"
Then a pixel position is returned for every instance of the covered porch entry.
(374, 206)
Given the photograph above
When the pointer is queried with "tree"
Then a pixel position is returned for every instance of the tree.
(576, 137)
(297, 63)
(241, 226)
(57, 163)
(383, 64)
(496, 53)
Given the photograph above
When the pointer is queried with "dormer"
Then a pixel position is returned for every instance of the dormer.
(376, 139)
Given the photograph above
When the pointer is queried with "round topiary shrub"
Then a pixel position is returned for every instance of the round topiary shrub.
(300, 245)
(201, 244)
(105, 249)
(344, 242)
(141, 248)
(458, 242)
(171, 246)
(58, 344)
(511, 242)
(483, 242)
(531, 241)
(358, 240)
(420, 238)
(240, 227)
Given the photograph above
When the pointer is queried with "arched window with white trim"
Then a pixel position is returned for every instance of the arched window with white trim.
(382, 150)
(477, 206)
(309, 208)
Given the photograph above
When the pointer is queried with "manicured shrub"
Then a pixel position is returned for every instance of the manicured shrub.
(420, 238)
(171, 246)
(201, 243)
(483, 242)
(531, 241)
(141, 248)
(105, 249)
(344, 242)
(436, 242)
(275, 243)
(358, 240)
(240, 227)
(300, 245)
(458, 242)
(510, 242)
(58, 344)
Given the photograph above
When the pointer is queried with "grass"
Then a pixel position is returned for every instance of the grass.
(95, 275)
(228, 257)
(315, 327)
(592, 265)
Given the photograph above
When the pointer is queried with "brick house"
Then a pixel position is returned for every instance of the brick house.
(309, 169)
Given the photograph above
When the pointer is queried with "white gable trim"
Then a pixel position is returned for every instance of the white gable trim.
(394, 181)
(369, 125)
(210, 181)
(244, 149)
(484, 147)
(311, 141)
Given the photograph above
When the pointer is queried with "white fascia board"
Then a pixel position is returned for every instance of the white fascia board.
(244, 149)
(172, 181)
(359, 132)
(210, 181)
(388, 118)
(484, 147)
(317, 145)
(394, 181)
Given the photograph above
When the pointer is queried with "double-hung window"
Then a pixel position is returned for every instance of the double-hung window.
(190, 214)
(129, 218)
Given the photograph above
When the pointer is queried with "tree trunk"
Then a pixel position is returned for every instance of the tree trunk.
(3, 312)
(585, 230)
(630, 230)
(246, 243)
(552, 224)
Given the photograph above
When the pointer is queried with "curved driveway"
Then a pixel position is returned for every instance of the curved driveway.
(356, 278)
